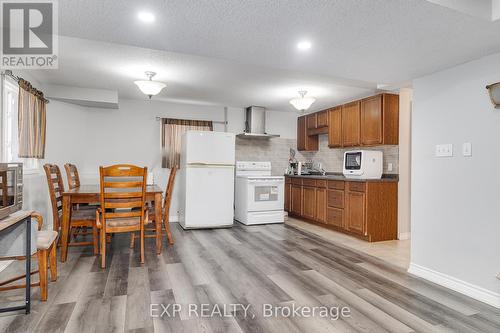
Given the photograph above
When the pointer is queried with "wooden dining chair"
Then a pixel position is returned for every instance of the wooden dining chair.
(47, 256)
(78, 217)
(165, 211)
(123, 204)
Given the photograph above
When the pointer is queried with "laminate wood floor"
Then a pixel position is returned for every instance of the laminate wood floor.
(273, 264)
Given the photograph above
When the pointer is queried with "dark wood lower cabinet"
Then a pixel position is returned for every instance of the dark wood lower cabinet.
(355, 209)
(296, 204)
(308, 202)
(366, 209)
(320, 205)
(288, 196)
(335, 217)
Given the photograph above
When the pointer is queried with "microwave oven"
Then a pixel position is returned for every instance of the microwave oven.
(11, 188)
(363, 164)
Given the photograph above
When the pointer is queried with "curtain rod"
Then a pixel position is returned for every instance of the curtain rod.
(9, 73)
(213, 121)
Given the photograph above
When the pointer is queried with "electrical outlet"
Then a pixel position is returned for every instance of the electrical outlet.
(389, 166)
(467, 149)
(444, 150)
(498, 276)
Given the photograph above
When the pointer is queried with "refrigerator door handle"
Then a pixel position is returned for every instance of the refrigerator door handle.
(204, 165)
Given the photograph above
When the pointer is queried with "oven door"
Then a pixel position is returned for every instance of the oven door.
(266, 193)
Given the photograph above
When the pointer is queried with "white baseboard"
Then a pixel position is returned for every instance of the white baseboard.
(466, 288)
(404, 235)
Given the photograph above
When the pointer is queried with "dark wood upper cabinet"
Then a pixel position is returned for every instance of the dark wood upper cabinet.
(372, 121)
(368, 122)
(391, 119)
(351, 124)
(380, 120)
(312, 121)
(301, 133)
(335, 127)
(322, 119)
(305, 142)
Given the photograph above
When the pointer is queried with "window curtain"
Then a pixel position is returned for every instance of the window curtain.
(171, 134)
(31, 121)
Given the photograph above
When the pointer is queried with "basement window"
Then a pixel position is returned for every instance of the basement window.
(9, 128)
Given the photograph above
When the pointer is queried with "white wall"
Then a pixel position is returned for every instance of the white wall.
(455, 203)
(66, 128)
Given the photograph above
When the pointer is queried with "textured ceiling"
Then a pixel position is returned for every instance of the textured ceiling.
(383, 41)
(191, 79)
(247, 48)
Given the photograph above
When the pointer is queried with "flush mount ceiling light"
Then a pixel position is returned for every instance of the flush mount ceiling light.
(150, 87)
(303, 103)
(146, 17)
(494, 91)
(304, 45)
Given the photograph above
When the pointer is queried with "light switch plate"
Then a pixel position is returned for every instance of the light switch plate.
(467, 149)
(444, 150)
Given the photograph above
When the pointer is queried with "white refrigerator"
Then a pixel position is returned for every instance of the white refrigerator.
(207, 180)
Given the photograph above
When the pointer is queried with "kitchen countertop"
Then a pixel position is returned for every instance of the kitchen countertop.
(339, 176)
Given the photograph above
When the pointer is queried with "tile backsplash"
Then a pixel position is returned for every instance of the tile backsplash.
(277, 151)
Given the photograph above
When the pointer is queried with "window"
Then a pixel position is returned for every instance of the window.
(9, 119)
(171, 133)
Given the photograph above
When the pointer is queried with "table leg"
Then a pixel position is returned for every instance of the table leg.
(28, 264)
(158, 216)
(66, 212)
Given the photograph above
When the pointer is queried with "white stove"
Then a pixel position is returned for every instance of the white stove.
(259, 197)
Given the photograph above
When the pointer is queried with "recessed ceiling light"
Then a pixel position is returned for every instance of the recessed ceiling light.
(304, 45)
(146, 17)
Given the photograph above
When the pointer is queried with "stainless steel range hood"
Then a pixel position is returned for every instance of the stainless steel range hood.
(255, 124)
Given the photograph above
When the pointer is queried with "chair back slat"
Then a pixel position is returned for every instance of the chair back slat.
(123, 191)
(168, 193)
(123, 184)
(72, 175)
(123, 204)
(56, 189)
(122, 195)
(116, 214)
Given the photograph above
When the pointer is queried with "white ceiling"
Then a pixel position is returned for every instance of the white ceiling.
(244, 52)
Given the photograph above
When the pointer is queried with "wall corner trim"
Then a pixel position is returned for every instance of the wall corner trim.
(404, 235)
(466, 288)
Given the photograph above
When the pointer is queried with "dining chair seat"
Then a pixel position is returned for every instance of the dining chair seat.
(122, 222)
(91, 206)
(46, 243)
(45, 238)
(82, 214)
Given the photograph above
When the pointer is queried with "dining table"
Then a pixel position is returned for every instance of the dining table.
(89, 194)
